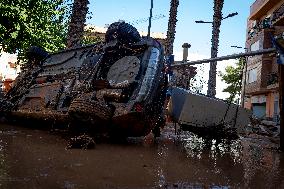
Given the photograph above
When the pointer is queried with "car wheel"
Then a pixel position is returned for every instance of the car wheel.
(84, 109)
(36, 53)
(123, 32)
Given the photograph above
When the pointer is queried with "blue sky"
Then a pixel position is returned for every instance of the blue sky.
(233, 30)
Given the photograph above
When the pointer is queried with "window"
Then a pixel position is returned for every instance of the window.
(255, 46)
(252, 75)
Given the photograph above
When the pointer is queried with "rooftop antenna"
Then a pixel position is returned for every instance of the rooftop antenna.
(150, 19)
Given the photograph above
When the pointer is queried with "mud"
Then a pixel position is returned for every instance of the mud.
(38, 159)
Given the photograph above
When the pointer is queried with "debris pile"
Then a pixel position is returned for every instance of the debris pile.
(263, 128)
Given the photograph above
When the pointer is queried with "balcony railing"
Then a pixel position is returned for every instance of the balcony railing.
(259, 26)
(267, 22)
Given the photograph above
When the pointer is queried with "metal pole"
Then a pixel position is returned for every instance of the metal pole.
(228, 57)
(281, 93)
(150, 19)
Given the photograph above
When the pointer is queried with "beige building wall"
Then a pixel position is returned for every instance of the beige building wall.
(266, 18)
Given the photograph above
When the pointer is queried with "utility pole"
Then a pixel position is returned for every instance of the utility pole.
(281, 93)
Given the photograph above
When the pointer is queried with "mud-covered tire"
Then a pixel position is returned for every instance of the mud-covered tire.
(123, 32)
(37, 53)
(83, 109)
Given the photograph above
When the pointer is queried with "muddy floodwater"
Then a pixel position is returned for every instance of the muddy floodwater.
(38, 159)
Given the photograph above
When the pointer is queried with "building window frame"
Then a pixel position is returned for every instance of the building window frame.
(252, 75)
(255, 46)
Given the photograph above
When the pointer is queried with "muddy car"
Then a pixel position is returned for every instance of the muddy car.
(116, 86)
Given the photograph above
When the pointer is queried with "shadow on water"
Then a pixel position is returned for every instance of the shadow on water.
(38, 159)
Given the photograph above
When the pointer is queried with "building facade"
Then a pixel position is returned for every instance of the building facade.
(266, 20)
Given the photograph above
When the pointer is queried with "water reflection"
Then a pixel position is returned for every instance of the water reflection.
(195, 146)
(257, 164)
(38, 159)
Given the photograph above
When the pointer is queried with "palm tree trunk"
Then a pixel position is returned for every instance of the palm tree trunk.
(77, 23)
(217, 18)
(171, 27)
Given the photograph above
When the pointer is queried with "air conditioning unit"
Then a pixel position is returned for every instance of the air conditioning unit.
(254, 23)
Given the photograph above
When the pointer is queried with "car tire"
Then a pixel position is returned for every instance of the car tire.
(122, 32)
(37, 53)
(83, 109)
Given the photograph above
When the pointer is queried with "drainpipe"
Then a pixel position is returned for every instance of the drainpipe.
(281, 93)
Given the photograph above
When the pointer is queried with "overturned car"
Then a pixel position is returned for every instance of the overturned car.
(116, 86)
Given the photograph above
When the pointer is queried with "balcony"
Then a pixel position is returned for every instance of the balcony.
(259, 27)
(260, 8)
(272, 78)
(277, 18)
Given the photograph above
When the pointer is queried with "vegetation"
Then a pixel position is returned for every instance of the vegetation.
(42, 23)
(233, 77)
(89, 37)
(28, 23)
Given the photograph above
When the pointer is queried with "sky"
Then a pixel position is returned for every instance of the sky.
(233, 30)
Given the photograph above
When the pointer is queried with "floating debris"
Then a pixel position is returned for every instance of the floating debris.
(82, 142)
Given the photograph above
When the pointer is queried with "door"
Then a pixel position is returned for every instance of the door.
(259, 110)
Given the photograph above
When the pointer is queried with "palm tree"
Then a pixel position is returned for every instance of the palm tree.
(171, 27)
(217, 18)
(77, 23)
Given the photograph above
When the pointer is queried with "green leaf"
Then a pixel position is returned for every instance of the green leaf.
(233, 76)
(42, 23)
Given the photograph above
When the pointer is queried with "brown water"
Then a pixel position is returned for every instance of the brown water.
(38, 159)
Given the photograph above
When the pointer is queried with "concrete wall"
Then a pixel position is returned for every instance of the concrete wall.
(7, 71)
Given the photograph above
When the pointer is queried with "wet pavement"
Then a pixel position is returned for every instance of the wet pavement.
(38, 159)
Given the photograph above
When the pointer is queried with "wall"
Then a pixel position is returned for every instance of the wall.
(8, 70)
